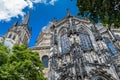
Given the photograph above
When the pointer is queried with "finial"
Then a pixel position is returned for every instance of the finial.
(68, 12)
(54, 20)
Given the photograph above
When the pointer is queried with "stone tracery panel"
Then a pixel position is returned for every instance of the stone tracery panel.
(85, 41)
(65, 46)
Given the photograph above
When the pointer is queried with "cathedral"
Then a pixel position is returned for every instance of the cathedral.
(73, 48)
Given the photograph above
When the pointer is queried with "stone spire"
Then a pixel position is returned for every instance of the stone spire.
(26, 19)
(16, 23)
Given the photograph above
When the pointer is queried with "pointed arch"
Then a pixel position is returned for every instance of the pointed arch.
(85, 38)
(82, 25)
(63, 40)
(99, 73)
(60, 29)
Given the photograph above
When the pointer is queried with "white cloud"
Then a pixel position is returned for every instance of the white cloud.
(43, 1)
(13, 8)
(52, 2)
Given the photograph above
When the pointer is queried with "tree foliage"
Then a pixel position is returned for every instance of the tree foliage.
(21, 64)
(108, 11)
(3, 53)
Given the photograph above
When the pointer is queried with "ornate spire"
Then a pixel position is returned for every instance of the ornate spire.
(26, 19)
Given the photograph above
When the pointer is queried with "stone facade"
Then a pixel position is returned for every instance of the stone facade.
(76, 49)
(73, 48)
(81, 50)
(43, 48)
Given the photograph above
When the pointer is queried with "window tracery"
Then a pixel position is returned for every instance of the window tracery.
(110, 46)
(65, 46)
(85, 41)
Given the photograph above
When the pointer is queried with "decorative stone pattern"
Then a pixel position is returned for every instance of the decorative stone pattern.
(73, 49)
(80, 50)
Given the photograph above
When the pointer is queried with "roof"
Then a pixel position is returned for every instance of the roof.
(39, 47)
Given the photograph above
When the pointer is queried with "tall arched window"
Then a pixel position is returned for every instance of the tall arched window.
(85, 41)
(65, 46)
(45, 61)
(110, 46)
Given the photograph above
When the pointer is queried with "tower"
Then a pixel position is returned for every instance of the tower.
(19, 34)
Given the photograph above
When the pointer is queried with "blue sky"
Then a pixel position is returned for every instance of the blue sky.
(41, 13)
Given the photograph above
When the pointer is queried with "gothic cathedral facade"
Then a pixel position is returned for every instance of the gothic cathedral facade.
(80, 50)
(73, 48)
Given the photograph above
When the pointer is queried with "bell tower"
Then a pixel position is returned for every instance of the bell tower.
(19, 34)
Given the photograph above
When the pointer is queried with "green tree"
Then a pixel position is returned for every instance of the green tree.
(4, 51)
(108, 11)
(22, 64)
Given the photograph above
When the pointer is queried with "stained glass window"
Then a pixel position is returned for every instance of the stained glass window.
(64, 42)
(85, 41)
(45, 61)
(110, 46)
